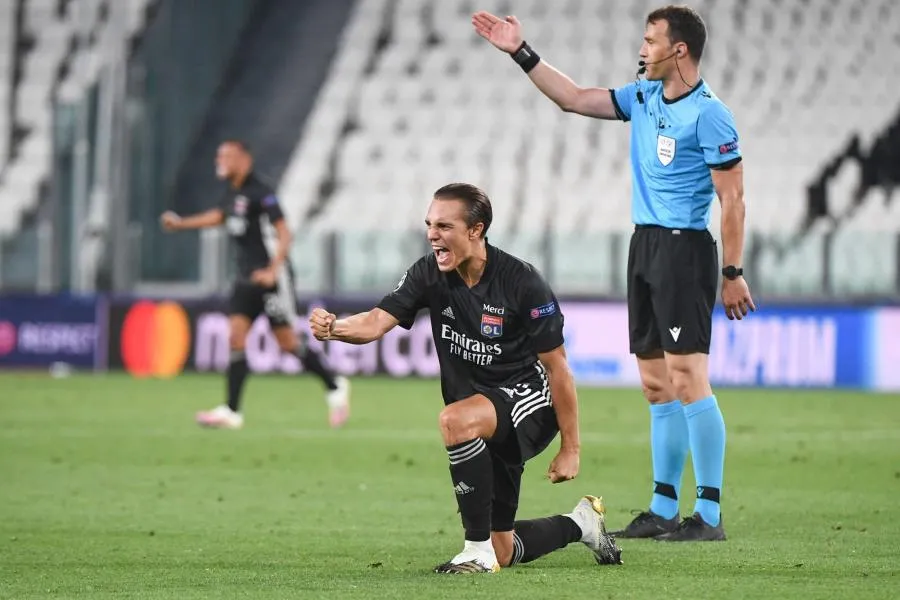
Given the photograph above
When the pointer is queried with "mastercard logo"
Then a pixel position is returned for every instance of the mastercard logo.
(155, 339)
(7, 337)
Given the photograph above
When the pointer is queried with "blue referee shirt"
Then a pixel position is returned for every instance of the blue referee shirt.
(674, 144)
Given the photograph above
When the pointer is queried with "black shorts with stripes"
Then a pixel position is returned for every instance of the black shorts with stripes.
(526, 424)
(278, 303)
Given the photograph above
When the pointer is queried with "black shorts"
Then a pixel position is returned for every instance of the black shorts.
(526, 424)
(672, 279)
(278, 303)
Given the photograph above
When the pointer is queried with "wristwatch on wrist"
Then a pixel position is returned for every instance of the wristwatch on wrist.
(732, 272)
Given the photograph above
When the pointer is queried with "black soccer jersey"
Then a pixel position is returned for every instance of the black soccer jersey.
(250, 216)
(487, 336)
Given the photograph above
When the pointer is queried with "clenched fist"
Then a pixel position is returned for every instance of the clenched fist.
(320, 323)
(564, 467)
(169, 220)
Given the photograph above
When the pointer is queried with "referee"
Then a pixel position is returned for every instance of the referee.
(684, 151)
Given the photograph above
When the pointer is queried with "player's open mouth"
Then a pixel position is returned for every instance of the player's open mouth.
(442, 255)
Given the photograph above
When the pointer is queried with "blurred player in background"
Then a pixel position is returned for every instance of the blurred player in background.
(253, 218)
(498, 330)
(684, 148)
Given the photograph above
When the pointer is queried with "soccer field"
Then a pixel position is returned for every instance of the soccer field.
(109, 490)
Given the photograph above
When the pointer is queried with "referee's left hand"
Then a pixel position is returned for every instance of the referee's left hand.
(736, 298)
(564, 466)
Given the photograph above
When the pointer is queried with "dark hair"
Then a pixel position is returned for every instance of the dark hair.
(685, 25)
(478, 205)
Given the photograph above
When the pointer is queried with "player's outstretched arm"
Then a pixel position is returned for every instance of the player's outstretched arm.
(729, 186)
(506, 35)
(360, 328)
(170, 221)
(565, 402)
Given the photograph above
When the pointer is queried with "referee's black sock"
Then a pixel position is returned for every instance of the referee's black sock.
(536, 537)
(237, 373)
(312, 362)
(472, 472)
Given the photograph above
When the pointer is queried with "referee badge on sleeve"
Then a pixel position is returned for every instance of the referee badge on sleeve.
(665, 149)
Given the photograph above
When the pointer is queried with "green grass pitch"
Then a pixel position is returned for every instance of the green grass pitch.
(109, 490)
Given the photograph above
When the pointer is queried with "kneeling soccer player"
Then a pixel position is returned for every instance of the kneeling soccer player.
(498, 330)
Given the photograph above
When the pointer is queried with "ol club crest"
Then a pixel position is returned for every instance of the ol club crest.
(491, 326)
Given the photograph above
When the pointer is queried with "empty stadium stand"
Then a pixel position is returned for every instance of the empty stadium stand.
(7, 59)
(52, 53)
(49, 47)
(415, 100)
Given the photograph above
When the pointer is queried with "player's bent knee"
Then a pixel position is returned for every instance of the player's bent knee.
(457, 425)
(467, 419)
(453, 426)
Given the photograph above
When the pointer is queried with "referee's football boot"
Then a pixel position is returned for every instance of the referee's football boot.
(647, 525)
(475, 558)
(694, 529)
(590, 516)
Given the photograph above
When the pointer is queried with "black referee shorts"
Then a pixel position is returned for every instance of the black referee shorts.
(673, 275)
(526, 424)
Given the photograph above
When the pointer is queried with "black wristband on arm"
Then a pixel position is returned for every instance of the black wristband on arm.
(526, 57)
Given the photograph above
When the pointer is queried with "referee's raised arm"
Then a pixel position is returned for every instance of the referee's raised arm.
(506, 35)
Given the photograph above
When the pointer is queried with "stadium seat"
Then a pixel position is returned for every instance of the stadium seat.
(7, 58)
(52, 29)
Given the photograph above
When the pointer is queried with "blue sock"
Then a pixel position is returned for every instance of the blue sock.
(669, 443)
(707, 434)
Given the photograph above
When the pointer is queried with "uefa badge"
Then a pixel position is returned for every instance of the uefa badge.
(491, 326)
(665, 149)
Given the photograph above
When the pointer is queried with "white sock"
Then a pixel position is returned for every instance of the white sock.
(485, 547)
(483, 551)
(578, 518)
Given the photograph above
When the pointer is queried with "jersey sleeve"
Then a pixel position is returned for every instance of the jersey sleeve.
(271, 208)
(541, 314)
(410, 295)
(622, 99)
(718, 137)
